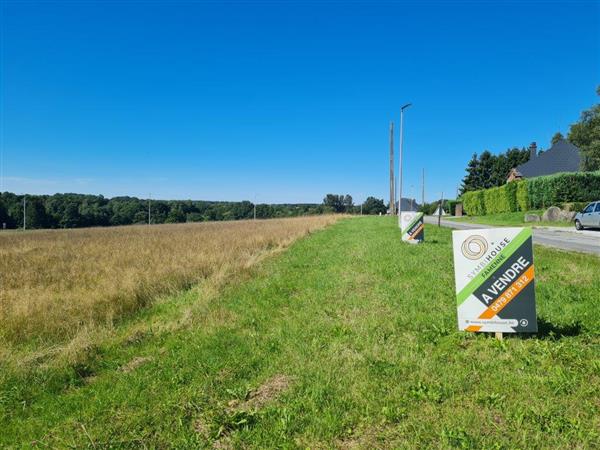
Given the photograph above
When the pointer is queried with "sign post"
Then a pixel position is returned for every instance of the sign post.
(494, 274)
(411, 226)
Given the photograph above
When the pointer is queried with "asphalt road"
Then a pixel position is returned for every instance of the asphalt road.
(587, 241)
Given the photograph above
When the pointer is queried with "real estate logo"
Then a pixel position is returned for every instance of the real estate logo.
(494, 274)
(474, 247)
(412, 227)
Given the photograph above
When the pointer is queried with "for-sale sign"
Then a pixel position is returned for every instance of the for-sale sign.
(494, 274)
(411, 226)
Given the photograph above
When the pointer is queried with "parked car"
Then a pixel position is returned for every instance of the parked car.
(589, 217)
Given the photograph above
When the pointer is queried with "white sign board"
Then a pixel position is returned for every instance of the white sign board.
(494, 274)
(412, 227)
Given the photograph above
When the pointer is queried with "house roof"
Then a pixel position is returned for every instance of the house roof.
(409, 204)
(561, 157)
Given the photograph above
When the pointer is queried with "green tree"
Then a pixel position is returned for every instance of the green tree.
(4, 217)
(557, 137)
(70, 216)
(36, 214)
(585, 134)
(374, 205)
(348, 203)
(472, 180)
(487, 162)
(489, 170)
(176, 215)
(335, 202)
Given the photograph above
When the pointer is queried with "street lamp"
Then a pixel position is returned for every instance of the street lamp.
(400, 160)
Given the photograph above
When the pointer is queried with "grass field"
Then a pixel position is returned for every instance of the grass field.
(63, 289)
(347, 339)
(511, 219)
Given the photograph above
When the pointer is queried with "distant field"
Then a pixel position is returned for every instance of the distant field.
(511, 219)
(348, 339)
(59, 285)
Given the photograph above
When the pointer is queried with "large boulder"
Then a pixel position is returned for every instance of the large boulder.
(532, 218)
(552, 214)
(568, 216)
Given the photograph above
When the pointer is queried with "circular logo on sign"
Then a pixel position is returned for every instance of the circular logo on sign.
(523, 322)
(474, 247)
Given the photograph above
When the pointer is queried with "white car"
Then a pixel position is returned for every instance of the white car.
(589, 217)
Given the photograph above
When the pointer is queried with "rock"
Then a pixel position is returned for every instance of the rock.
(532, 218)
(568, 216)
(552, 214)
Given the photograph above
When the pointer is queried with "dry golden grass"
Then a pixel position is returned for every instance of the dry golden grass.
(54, 284)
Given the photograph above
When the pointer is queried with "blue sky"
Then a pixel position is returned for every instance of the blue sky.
(281, 101)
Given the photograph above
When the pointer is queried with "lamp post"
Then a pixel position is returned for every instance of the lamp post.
(400, 161)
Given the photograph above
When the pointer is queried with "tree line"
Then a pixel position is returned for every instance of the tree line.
(486, 170)
(344, 204)
(81, 210)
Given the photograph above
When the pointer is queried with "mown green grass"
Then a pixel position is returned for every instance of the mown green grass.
(364, 327)
(510, 219)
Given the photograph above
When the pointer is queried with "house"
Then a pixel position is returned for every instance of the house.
(561, 157)
(408, 204)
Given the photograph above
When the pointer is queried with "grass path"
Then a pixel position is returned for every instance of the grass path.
(346, 339)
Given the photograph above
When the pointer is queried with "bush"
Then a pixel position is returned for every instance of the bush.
(563, 187)
(522, 196)
(474, 203)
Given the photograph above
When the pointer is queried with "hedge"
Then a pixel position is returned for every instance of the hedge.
(523, 196)
(492, 201)
(534, 193)
(474, 203)
(563, 187)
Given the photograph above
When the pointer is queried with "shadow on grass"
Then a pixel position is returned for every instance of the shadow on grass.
(548, 330)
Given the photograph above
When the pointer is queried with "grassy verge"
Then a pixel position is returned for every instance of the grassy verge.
(67, 288)
(346, 339)
(511, 219)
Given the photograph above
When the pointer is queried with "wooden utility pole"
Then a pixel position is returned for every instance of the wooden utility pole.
(423, 188)
(392, 187)
(440, 210)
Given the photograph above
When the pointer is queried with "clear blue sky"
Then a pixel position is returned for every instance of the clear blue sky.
(282, 101)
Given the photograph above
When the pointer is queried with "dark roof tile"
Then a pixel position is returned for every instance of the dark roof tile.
(561, 157)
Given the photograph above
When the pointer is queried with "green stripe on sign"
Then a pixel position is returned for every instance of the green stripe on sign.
(506, 252)
(419, 215)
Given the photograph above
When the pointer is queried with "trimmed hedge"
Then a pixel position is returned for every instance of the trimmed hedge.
(492, 201)
(523, 196)
(534, 193)
(563, 187)
(474, 203)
